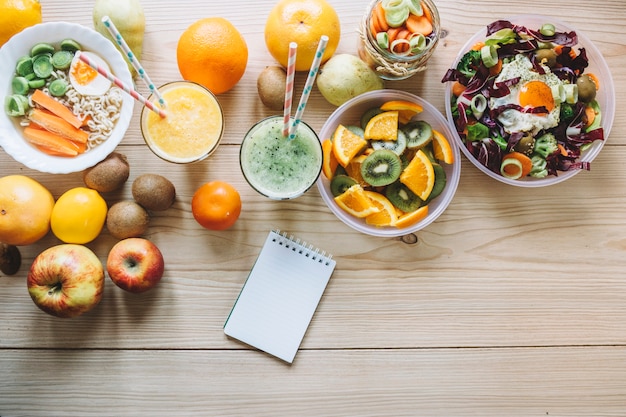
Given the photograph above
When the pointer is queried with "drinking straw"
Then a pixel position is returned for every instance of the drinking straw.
(291, 70)
(134, 94)
(108, 23)
(308, 86)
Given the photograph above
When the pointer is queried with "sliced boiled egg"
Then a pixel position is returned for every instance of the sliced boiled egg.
(86, 80)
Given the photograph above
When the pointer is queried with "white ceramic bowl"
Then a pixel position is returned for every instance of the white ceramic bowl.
(605, 98)
(11, 139)
(349, 113)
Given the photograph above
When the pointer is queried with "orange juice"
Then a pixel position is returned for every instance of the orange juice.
(193, 125)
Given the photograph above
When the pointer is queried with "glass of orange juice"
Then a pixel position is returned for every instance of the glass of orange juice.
(192, 128)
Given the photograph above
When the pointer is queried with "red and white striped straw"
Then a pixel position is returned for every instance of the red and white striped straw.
(308, 86)
(291, 70)
(134, 94)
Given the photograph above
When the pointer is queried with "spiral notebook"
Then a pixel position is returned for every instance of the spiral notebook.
(280, 295)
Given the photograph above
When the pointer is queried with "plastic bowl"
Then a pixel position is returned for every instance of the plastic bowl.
(605, 97)
(349, 113)
(11, 139)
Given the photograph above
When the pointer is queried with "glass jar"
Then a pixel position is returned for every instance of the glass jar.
(389, 65)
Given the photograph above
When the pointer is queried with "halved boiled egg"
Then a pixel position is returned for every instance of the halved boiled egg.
(86, 80)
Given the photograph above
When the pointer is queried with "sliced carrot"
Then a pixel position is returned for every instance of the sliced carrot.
(427, 13)
(562, 149)
(86, 120)
(527, 164)
(419, 24)
(49, 140)
(47, 102)
(458, 88)
(595, 79)
(57, 125)
(495, 70)
(477, 46)
(392, 33)
(374, 26)
(380, 16)
(591, 115)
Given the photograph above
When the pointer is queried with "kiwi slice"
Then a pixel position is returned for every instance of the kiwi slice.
(340, 183)
(357, 130)
(397, 146)
(440, 181)
(418, 134)
(402, 197)
(368, 114)
(381, 167)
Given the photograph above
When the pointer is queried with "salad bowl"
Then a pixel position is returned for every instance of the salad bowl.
(12, 139)
(511, 121)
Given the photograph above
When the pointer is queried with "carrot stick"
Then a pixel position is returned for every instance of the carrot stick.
(526, 162)
(51, 141)
(419, 24)
(56, 107)
(59, 126)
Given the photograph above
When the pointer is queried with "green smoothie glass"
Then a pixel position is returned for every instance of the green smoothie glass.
(277, 167)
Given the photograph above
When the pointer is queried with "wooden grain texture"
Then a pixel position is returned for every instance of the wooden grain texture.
(510, 304)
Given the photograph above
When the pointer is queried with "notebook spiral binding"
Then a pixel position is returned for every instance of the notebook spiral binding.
(300, 246)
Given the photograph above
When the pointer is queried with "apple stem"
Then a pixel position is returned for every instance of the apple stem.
(56, 287)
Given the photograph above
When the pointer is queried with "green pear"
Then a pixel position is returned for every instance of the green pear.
(345, 76)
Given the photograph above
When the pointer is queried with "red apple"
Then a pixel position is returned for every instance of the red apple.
(135, 264)
(66, 280)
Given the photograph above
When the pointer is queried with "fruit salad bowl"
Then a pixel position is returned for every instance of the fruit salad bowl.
(53, 34)
(552, 130)
(403, 203)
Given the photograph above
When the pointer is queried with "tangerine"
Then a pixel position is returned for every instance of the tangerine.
(17, 15)
(216, 205)
(303, 22)
(25, 210)
(213, 53)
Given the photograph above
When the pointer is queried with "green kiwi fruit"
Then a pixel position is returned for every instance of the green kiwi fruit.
(368, 114)
(153, 192)
(271, 87)
(418, 134)
(440, 181)
(381, 167)
(10, 259)
(397, 146)
(109, 174)
(340, 183)
(127, 219)
(402, 197)
(357, 130)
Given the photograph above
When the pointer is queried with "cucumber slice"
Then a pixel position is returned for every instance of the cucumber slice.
(62, 59)
(41, 48)
(70, 45)
(19, 85)
(418, 134)
(42, 66)
(58, 87)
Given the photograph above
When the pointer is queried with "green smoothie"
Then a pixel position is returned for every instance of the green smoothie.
(277, 167)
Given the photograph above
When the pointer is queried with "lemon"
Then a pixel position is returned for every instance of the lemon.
(78, 215)
(17, 15)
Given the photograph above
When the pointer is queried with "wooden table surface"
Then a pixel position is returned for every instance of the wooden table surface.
(513, 303)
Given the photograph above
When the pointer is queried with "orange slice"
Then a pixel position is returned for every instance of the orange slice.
(419, 175)
(330, 162)
(406, 109)
(346, 145)
(355, 202)
(383, 126)
(442, 148)
(387, 215)
(353, 169)
(411, 218)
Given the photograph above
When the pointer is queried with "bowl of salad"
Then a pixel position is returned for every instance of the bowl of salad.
(530, 101)
(390, 165)
(60, 115)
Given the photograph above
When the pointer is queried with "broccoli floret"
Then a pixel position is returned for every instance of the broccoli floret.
(469, 63)
(540, 167)
(545, 145)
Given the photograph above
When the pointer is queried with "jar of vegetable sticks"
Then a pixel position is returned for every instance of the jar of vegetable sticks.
(398, 36)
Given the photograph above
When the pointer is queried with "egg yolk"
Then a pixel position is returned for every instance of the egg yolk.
(536, 94)
(83, 73)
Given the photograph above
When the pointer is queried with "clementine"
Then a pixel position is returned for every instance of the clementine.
(25, 210)
(216, 205)
(213, 53)
(17, 15)
(303, 22)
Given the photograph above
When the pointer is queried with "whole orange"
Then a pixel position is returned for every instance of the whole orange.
(17, 15)
(25, 210)
(303, 22)
(213, 53)
(216, 205)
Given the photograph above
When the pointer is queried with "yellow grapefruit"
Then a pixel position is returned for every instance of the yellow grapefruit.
(303, 22)
(25, 210)
(17, 15)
